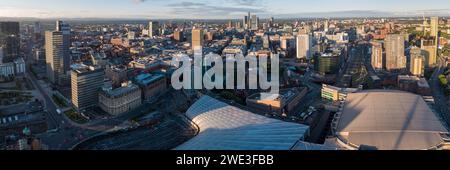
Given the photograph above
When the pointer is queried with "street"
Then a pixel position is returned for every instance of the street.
(440, 99)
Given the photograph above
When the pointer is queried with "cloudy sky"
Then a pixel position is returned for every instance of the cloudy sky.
(218, 9)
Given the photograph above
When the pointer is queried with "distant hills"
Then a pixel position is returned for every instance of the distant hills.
(330, 14)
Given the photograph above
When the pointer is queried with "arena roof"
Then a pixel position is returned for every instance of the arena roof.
(225, 127)
(389, 120)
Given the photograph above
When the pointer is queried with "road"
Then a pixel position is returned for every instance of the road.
(54, 117)
(440, 99)
(355, 65)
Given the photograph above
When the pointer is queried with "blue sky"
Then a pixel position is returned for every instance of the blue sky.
(219, 9)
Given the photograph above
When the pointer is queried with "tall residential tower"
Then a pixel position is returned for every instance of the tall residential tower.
(395, 52)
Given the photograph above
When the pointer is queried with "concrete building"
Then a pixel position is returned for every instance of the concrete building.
(153, 28)
(328, 63)
(7, 71)
(152, 85)
(235, 49)
(131, 35)
(39, 55)
(395, 52)
(197, 39)
(99, 59)
(407, 83)
(57, 53)
(245, 22)
(120, 100)
(304, 46)
(434, 26)
(1, 55)
(254, 22)
(281, 103)
(333, 93)
(431, 52)
(284, 42)
(11, 69)
(86, 83)
(117, 75)
(417, 63)
(178, 36)
(10, 41)
(377, 55)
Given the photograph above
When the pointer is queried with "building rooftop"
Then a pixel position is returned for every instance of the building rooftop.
(126, 88)
(224, 127)
(389, 120)
(284, 95)
(408, 78)
(81, 68)
(146, 78)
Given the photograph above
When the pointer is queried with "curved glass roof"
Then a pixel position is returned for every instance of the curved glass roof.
(225, 127)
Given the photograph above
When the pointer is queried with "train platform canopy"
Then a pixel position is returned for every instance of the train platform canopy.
(225, 127)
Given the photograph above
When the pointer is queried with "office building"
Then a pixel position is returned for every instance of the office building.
(117, 75)
(254, 22)
(209, 36)
(245, 22)
(395, 52)
(238, 25)
(304, 46)
(197, 39)
(434, 32)
(230, 24)
(430, 52)
(1, 55)
(178, 36)
(333, 93)
(9, 70)
(283, 42)
(434, 26)
(153, 28)
(328, 63)
(131, 35)
(57, 53)
(282, 103)
(9, 28)
(377, 55)
(86, 84)
(152, 85)
(120, 100)
(63, 27)
(417, 63)
(10, 41)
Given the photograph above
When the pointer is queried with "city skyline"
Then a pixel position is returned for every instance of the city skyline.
(224, 75)
(222, 9)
